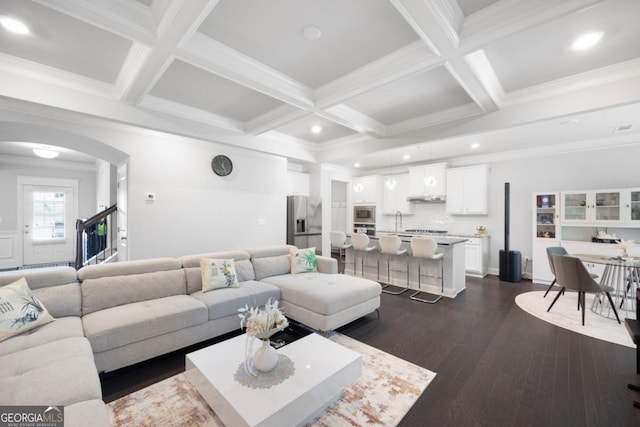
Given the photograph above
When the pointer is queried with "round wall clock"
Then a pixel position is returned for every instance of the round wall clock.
(221, 165)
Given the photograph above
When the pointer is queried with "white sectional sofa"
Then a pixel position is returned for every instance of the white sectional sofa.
(114, 315)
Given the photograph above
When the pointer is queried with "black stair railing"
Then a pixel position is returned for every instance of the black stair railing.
(94, 238)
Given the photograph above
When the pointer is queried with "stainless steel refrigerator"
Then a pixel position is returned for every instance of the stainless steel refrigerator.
(304, 222)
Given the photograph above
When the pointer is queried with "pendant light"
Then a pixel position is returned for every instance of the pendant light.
(430, 180)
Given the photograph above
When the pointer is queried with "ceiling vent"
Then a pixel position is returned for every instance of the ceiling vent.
(622, 128)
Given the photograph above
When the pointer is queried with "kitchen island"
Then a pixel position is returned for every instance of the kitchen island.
(403, 266)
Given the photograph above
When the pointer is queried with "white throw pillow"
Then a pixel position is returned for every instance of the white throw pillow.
(303, 260)
(218, 273)
(20, 310)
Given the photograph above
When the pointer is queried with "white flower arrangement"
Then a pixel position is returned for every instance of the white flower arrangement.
(625, 245)
(260, 323)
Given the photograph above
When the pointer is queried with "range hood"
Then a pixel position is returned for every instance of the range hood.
(426, 199)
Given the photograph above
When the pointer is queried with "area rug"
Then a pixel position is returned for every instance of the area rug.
(387, 389)
(566, 315)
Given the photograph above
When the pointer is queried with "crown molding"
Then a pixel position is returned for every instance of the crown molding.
(353, 119)
(481, 67)
(133, 63)
(449, 17)
(432, 119)
(275, 118)
(412, 9)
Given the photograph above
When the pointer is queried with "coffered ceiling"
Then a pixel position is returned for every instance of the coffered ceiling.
(424, 78)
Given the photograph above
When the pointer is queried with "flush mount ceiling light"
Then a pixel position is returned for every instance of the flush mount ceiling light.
(14, 25)
(46, 153)
(587, 41)
(316, 129)
(311, 32)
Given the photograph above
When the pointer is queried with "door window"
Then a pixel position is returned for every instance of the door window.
(48, 215)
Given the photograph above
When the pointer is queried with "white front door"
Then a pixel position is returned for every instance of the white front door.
(48, 220)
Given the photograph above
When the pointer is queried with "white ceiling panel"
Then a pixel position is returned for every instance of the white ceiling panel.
(301, 129)
(423, 94)
(541, 54)
(63, 42)
(354, 33)
(188, 85)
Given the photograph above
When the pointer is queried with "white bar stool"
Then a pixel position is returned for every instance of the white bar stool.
(339, 242)
(360, 243)
(390, 245)
(426, 247)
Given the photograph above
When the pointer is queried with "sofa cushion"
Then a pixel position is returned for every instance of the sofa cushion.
(92, 413)
(63, 327)
(218, 273)
(57, 373)
(111, 291)
(56, 287)
(191, 264)
(303, 260)
(20, 310)
(325, 293)
(271, 260)
(124, 324)
(225, 302)
(126, 268)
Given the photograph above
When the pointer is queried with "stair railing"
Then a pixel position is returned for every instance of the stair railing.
(95, 239)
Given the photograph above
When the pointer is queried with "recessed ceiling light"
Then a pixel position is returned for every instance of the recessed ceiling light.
(14, 25)
(406, 157)
(316, 129)
(311, 32)
(587, 41)
(45, 153)
(475, 145)
(356, 165)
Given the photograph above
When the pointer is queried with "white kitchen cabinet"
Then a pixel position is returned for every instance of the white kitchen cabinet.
(395, 199)
(365, 189)
(592, 207)
(428, 180)
(299, 184)
(631, 206)
(467, 190)
(476, 256)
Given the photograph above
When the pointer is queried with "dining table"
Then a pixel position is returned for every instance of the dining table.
(620, 273)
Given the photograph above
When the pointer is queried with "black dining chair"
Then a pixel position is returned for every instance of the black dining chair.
(572, 274)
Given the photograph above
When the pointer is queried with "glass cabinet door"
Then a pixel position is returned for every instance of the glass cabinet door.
(545, 216)
(607, 206)
(634, 206)
(575, 207)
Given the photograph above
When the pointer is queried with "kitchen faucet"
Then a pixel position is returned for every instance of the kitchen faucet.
(398, 213)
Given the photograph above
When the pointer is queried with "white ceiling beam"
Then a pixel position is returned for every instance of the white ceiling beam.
(353, 119)
(128, 19)
(436, 25)
(405, 62)
(213, 56)
(275, 118)
(455, 113)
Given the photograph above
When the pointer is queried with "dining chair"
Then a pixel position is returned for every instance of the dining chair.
(426, 248)
(572, 274)
(339, 242)
(391, 245)
(557, 250)
(360, 243)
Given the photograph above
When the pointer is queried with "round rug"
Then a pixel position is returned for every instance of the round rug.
(565, 315)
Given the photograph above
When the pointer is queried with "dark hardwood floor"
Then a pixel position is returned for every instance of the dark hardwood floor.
(496, 365)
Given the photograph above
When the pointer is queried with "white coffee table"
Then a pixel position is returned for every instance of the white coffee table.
(322, 370)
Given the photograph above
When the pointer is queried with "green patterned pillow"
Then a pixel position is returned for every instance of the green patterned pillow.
(303, 260)
(218, 273)
(20, 310)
